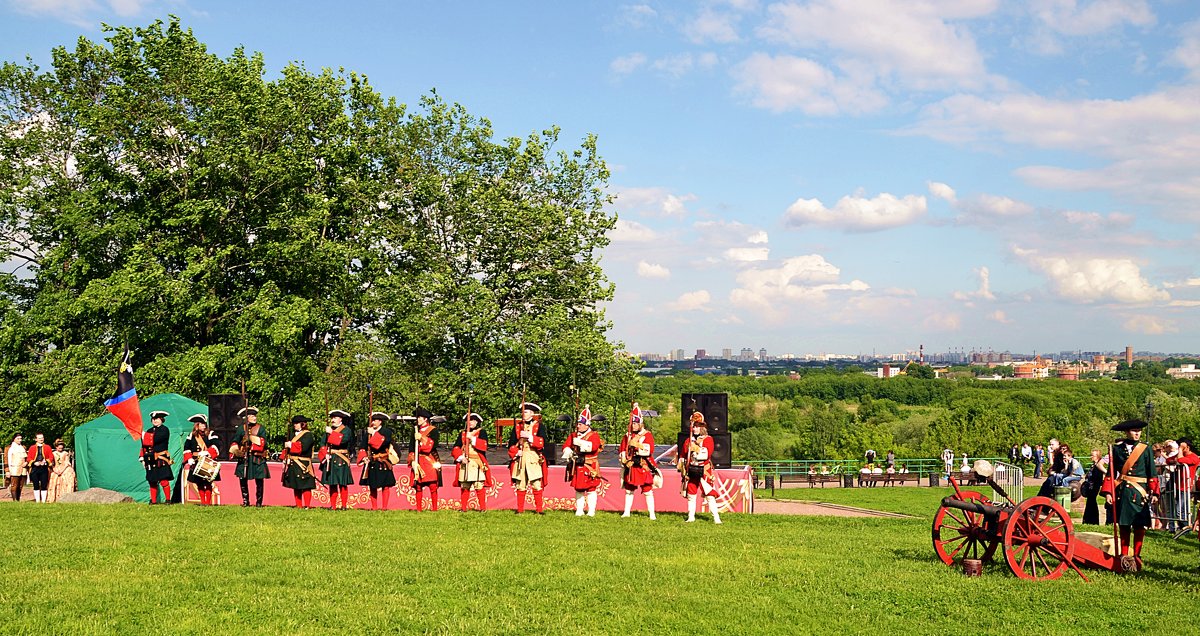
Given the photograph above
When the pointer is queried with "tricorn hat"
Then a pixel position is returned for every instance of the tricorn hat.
(530, 406)
(1130, 425)
(158, 415)
(698, 418)
(299, 419)
(379, 416)
(474, 416)
(339, 413)
(249, 410)
(199, 418)
(421, 411)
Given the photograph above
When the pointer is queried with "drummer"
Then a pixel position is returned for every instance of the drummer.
(200, 448)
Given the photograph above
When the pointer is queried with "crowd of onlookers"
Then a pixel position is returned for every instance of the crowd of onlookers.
(47, 469)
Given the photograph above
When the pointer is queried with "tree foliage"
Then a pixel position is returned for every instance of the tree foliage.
(303, 233)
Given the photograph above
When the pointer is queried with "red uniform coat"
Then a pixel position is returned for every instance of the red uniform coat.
(424, 456)
(586, 475)
(699, 467)
(480, 447)
(41, 453)
(638, 468)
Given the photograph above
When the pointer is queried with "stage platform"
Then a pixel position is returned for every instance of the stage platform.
(735, 491)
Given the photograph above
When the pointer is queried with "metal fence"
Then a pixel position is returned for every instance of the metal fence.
(1175, 511)
(923, 470)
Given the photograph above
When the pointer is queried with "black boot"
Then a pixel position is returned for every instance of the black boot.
(245, 493)
(258, 494)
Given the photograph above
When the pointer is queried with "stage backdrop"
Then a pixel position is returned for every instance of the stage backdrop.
(735, 491)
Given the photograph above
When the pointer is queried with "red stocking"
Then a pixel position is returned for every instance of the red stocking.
(466, 498)
(420, 497)
(1138, 536)
(296, 496)
(166, 486)
(520, 501)
(433, 501)
(480, 496)
(374, 498)
(1124, 540)
(345, 497)
(387, 492)
(537, 500)
(308, 499)
(153, 494)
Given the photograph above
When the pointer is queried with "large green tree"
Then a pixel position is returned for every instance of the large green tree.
(302, 233)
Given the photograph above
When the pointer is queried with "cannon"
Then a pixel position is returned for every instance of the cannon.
(1036, 536)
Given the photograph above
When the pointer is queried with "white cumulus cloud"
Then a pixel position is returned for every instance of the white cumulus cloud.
(712, 26)
(1150, 325)
(653, 201)
(747, 254)
(1084, 17)
(627, 64)
(1089, 280)
(785, 82)
(942, 191)
(984, 292)
(857, 213)
(632, 232)
(800, 279)
(652, 270)
(691, 301)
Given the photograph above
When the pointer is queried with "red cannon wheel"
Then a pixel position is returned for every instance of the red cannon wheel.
(1039, 539)
(960, 534)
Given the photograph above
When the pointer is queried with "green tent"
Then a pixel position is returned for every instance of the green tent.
(106, 456)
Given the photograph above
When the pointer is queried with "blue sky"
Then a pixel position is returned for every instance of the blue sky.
(813, 176)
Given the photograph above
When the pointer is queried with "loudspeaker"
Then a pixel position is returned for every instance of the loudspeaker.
(223, 411)
(722, 450)
(714, 406)
(223, 419)
(722, 446)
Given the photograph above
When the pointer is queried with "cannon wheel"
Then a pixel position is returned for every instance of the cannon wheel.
(1039, 539)
(960, 534)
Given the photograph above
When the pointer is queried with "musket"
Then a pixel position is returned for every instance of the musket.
(466, 443)
(1112, 475)
(515, 466)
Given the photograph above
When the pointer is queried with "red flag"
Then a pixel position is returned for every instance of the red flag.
(124, 403)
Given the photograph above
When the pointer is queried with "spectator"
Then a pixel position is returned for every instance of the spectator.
(16, 467)
(1190, 460)
(1090, 488)
(1014, 454)
(62, 474)
(891, 459)
(1039, 458)
(1072, 470)
(1054, 451)
(948, 461)
(870, 455)
(1026, 453)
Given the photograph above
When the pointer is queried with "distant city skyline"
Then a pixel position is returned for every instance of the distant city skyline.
(811, 175)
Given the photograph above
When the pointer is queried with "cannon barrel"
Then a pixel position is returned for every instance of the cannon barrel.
(987, 510)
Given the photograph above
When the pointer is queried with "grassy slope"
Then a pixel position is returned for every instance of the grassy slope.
(309, 572)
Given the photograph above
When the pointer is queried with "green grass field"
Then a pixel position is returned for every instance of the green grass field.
(79, 569)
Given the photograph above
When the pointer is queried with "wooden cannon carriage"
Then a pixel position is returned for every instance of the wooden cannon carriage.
(1037, 536)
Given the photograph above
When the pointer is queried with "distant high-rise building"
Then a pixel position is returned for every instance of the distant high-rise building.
(747, 355)
(1128, 356)
(726, 354)
(701, 354)
(678, 355)
(762, 354)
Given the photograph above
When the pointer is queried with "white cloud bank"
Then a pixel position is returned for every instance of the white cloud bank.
(857, 213)
(1090, 280)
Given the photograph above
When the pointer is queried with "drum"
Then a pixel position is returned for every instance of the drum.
(207, 468)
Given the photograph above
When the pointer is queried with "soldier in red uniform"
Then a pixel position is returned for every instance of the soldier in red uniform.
(581, 450)
(695, 462)
(377, 475)
(297, 463)
(423, 459)
(156, 456)
(249, 448)
(526, 452)
(473, 472)
(639, 474)
(39, 460)
(334, 458)
(200, 444)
